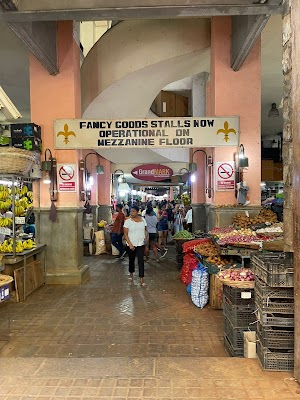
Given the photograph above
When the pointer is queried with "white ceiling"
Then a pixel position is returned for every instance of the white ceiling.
(14, 73)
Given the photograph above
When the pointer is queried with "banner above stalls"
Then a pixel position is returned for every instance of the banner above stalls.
(146, 133)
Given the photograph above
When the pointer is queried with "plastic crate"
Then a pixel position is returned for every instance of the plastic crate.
(231, 350)
(275, 360)
(238, 296)
(275, 337)
(274, 319)
(235, 335)
(240, 316)
(275, 271)
(282, 306)
(267, 292)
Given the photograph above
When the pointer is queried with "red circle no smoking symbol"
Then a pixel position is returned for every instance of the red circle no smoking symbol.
(225, 171)
(66, 173)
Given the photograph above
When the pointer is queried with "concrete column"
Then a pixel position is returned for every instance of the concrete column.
(54, 97)
(104, 191)
(199, 94)
(237, 93)
(198, 187)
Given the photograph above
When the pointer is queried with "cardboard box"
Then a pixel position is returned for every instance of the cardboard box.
(30, 143)
(25, 130)
(250, 344)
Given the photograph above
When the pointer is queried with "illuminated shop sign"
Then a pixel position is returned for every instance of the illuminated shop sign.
(141, 133)
(152, 172)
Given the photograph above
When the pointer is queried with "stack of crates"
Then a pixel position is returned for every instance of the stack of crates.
(274, 301)
(179, 252)
(239, 316)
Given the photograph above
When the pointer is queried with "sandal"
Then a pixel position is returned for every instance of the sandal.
(143, 285)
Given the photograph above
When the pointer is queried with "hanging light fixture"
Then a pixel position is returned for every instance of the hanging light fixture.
(274, 112)
(123, 185)
(243, 161)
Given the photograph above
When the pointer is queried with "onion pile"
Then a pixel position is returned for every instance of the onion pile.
(238, 274)
(231, 240)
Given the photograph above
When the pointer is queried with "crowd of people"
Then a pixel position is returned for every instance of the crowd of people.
(145, 227)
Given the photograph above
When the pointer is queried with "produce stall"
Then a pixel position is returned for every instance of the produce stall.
(231, 269)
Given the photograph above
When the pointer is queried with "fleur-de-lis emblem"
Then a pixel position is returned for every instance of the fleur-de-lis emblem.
(226, 131)
(66, 133)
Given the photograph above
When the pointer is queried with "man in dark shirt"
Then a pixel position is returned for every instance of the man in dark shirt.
(117, 232)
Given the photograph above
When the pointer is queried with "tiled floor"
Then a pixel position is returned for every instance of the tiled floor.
(111, 339)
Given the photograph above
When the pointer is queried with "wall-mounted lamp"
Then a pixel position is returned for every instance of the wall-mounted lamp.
(274, 112)
(243, 161)
(85, 193)
(208, 171)
(123, 186)
(50, 177)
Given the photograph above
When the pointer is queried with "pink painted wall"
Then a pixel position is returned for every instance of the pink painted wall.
(53, 97)
(237, 93)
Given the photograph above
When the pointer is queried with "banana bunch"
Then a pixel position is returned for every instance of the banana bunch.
(4, 195)
(23, 202)
(3, 188)
(4, 205)
(4, 222)
(28, 244)
(23, 191)
(30, 196)
(19, 208)
(7, 246)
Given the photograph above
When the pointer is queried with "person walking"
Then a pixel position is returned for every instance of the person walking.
(117, 232)
(151, 220)
(189, 219)
(136, 237)
(178, 218)
(162, 227)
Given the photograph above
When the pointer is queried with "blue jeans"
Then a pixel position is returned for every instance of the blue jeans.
(178, 227)
(116, 240)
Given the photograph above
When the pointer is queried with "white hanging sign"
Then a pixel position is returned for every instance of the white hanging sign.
(146, 133)
(66, 177)
(225, 177)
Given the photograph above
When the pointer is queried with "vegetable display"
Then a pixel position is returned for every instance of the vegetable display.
(276, 228)
(238, 274)
(237, 238)
(183, 235)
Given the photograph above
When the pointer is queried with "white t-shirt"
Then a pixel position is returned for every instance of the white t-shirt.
(136, 231)
(189, 216)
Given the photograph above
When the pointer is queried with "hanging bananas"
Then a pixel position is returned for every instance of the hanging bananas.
(5, 222)
(7, 246)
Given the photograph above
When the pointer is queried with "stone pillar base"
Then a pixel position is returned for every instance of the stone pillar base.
(64, 240)
(76, 277)
(199, 217)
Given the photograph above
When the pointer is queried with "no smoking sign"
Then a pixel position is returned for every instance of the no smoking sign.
(66, 177)
(225, 176)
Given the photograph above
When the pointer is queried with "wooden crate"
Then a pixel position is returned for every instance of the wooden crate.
(215, 293)
(34, 279)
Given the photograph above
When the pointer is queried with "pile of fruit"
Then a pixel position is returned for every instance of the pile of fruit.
(24, 199)
(221, 232)
(265, 216)
(102, 223)
(7, 246)
(5, 222)
(206, 249)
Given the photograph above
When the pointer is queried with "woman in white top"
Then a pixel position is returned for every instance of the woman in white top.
(136, 236)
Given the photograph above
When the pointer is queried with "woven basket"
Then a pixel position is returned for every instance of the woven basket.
(5, 280)
(238, 284)
(15, 161)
